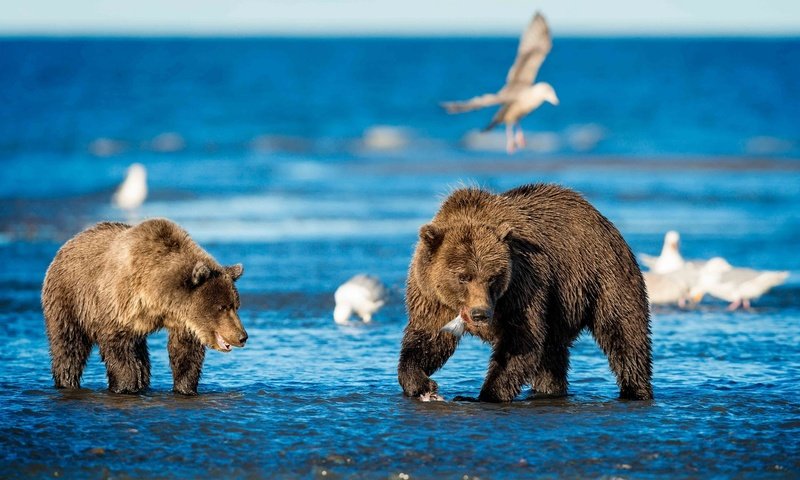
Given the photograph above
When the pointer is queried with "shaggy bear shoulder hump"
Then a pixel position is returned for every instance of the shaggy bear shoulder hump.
(466, 200)
(160, 232)
(543, 190)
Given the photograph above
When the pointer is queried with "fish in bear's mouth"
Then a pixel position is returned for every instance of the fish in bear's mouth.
(222, 344)
(458, 325)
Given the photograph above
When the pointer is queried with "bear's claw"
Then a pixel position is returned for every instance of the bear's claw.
(431, 397)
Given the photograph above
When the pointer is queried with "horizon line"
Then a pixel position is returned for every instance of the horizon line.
(410, 34)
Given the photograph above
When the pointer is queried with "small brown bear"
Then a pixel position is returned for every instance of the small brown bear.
(527, 270)
(113, 284)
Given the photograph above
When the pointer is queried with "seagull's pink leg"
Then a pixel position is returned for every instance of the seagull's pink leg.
(519, 138)
(746, 303)
(509, 138)
(735, 305)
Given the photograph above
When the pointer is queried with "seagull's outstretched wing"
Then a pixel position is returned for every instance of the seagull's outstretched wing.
(497, 119)
(474, 103)
(534, 45)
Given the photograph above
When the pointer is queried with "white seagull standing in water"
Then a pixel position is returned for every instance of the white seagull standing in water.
(670, 259)
(670, 288)
(133, 191)
(363, 295)
(518, 96)
(736, 285)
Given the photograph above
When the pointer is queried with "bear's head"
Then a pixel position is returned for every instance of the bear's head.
(466, 266)
(214, 301)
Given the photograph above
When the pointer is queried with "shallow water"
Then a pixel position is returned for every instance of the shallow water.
(309, 398)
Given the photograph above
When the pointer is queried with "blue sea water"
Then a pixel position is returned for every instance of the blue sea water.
(310, 160)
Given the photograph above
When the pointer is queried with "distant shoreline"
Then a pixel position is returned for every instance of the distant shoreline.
(382, 35)
(592, 162)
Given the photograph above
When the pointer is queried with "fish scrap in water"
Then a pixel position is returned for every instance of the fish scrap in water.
(455, 327)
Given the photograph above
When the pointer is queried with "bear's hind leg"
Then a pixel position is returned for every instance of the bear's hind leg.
(127, 363)
(69, 350)
(550, 379)
(626, 342)
(186, 355)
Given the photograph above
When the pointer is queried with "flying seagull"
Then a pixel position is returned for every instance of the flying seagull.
(519, 96)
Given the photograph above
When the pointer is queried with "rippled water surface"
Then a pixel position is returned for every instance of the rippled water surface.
(309, 398)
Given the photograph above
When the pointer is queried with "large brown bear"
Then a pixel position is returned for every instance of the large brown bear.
(113, 284)
(527, 270)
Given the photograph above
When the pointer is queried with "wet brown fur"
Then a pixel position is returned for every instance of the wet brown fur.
(546, 265)
(114, 284)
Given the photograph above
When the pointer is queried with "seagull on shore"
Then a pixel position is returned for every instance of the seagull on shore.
(133, 191)
(736, 285)
(362, 295)
(670, 259)
(519, 96)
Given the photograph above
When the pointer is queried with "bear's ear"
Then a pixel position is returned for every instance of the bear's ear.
(235, 271)
(505, 232)
(431, 236)
(200, 273)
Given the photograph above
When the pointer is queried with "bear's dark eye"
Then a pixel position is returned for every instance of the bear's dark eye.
(221, 308)
(464, 278)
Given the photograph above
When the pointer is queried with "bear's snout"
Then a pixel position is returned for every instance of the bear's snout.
(230, 332)
(479, 305)
(236, 335)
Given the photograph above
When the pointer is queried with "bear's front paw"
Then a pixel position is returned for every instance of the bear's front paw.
(495, 397)
(460, 398)
(416, 385)
(185, 391)
(636, 393)
(126, 390)
(431, 397)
